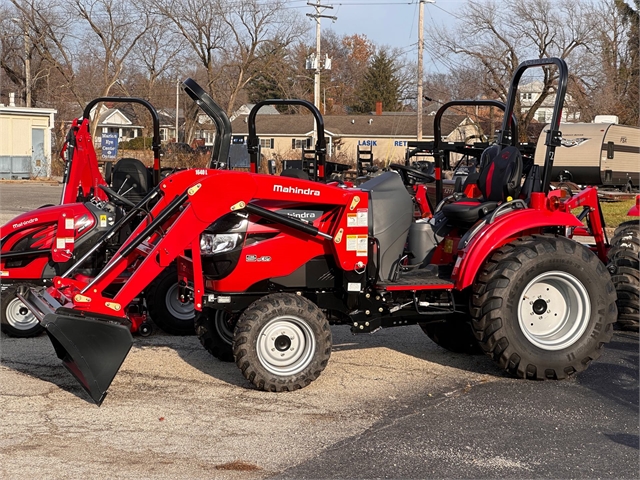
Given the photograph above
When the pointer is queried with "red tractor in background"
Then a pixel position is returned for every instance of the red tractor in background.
(38, 245)
(500, 272)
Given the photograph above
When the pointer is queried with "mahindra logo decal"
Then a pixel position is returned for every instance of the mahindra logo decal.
(296, 190)
(26, 222)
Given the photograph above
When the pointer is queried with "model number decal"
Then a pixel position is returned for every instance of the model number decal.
(255, 258)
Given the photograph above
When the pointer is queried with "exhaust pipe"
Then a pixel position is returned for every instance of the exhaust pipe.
(92, 348)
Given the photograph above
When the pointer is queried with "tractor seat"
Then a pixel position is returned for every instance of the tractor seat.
(131, 179)
(499, 179)
(468, 210)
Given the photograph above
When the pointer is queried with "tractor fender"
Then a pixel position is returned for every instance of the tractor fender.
(504, 230)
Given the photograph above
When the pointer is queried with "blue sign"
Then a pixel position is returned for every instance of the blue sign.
(109, 145)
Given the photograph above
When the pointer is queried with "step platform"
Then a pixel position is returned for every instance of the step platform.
(418, 279)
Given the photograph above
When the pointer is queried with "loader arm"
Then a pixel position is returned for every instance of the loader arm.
(192, 200)
(89, 328)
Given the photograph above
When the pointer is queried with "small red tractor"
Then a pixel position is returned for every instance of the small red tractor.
(271, 262)
(40, 244)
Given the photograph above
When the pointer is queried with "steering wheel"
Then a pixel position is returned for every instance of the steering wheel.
(410, 175)
(116, 198)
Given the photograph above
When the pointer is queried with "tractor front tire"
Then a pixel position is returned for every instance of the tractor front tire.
(453, 334)
(282, 342)
(624, 263)
(165, 308)
(214, 329)
(543, 307)
(15, 318)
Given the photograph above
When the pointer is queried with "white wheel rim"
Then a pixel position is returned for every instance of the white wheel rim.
(224, 330)
(286, 345)
(554, 310)
(179, 310)
(19, 316)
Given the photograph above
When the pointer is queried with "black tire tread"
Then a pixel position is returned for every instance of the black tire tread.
(250, 322)
(499, 271)
(624, 258)
(209, 337)
(155, 294)
(7, 296)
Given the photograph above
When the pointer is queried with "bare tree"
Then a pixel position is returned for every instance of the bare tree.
(504, 34)
(611, 85)
(227, 36)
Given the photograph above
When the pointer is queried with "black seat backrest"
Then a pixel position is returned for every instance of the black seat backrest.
(501, 173)
(391, 211)
(128, 172)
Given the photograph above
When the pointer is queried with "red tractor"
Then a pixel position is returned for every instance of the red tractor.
(500, 272)
(38, 245)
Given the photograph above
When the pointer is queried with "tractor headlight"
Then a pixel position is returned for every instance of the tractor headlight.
(211, 243)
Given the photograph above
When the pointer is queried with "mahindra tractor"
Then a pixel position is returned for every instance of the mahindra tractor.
(38, 245)
(499, 272)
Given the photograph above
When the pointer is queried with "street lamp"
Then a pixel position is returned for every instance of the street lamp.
(27, 62)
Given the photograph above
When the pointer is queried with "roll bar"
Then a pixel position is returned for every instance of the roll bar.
(222, 140)
(155, 143)
(554, 136)
(321, 144)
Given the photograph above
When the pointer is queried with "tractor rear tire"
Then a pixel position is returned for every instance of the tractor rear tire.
(165, 308)
(453, 334)
(15, 318)
(624, 263)
(543, 307)
(282, 342)
(214, 329)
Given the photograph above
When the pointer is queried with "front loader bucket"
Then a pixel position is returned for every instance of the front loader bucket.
(92, 349)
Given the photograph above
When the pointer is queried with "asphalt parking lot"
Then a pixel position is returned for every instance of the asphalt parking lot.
(388, 405)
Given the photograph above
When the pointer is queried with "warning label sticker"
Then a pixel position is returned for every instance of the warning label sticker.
(361, 247)
(103, 221)
(352, 242)
(363, 217)
(358, 244)
(352, 219)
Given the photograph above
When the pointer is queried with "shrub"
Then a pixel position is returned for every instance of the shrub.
(138, 143)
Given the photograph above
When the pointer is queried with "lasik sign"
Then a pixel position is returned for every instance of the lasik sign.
(368, 143)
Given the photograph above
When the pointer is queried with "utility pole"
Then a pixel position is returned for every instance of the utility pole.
(420, 67)
(177, 106)
(27, 61)
(316, 63)
(27, 67)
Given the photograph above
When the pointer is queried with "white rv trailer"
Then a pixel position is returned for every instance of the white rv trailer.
(598, 154)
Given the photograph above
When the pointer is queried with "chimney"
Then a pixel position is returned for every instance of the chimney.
(378, 108)
(12, 99)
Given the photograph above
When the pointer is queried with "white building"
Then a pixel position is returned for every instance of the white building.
(529, 94)
(25, 142)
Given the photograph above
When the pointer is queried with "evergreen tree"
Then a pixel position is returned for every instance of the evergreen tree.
(380, 84)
